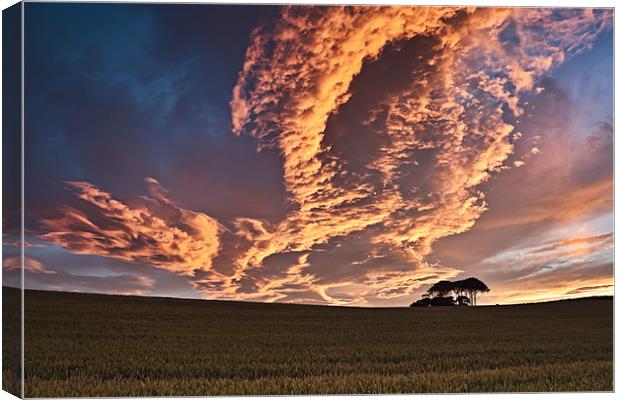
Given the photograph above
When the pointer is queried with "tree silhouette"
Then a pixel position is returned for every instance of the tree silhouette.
(465, 293)
(471, 286)
(441, 289)
(462, 300)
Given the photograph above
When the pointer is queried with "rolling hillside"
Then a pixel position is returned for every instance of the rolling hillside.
(103, 345)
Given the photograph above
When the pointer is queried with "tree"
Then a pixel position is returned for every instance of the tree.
(441, 288)
(471, 286)
(423, 302)
(462, 300)
(442, 301)
(440, 294)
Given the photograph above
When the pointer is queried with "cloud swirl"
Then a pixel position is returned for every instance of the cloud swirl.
(359, 228)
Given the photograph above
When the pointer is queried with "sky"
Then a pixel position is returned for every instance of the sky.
(322, 155)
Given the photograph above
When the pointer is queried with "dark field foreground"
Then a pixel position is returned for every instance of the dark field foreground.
(95, 345)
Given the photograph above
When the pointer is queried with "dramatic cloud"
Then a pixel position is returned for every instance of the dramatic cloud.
(299, 72)
(153, 230)
(390, 122)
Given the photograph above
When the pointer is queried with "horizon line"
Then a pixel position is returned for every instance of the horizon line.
(611, 296)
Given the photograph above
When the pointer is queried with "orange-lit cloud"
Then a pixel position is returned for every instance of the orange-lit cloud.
(301, 72)
(440, 135)
(13, 263)
(152, 231)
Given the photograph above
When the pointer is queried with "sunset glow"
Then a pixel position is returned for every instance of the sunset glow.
(324, 155)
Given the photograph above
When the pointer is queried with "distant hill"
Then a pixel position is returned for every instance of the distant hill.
(230, 302)
(575, 299)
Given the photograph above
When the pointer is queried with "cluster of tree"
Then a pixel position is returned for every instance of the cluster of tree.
(457, 293)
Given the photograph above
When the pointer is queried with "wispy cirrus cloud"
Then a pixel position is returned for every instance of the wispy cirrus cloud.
(151, 230)
(14, 263)
(591, 289)
(38, 275)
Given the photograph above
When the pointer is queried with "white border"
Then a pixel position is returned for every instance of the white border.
(524, 3)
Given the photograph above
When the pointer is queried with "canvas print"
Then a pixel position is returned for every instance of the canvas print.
(204, 199)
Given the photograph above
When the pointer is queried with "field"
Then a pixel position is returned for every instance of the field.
(100, 345)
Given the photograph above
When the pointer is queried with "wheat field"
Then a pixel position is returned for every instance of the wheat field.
(103, 345)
